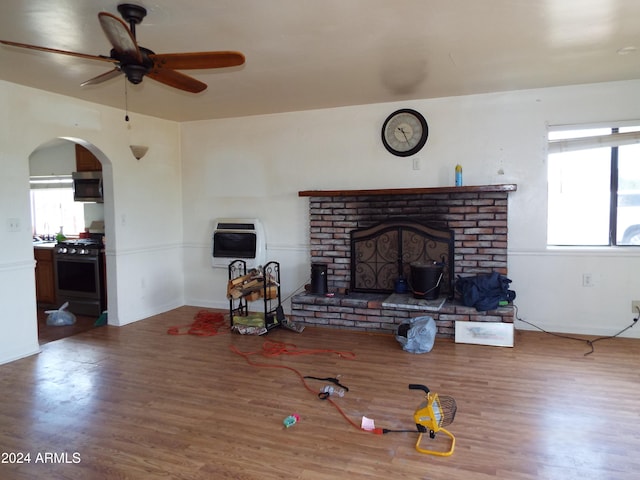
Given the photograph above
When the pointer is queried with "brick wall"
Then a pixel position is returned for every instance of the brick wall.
(478, 216)
(479, 221)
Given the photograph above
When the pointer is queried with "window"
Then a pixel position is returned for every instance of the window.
(594, 187)
(52, 206)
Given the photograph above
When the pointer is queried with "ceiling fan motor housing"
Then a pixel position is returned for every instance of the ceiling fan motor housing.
(134, 70)
(132, 13)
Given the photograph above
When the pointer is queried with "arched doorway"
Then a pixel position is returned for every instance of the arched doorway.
(79, 276)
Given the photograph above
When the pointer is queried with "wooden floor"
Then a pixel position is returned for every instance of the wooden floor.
(135, 403)
(50, 333)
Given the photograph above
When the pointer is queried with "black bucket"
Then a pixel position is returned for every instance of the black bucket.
(426, 279)
(319, 278)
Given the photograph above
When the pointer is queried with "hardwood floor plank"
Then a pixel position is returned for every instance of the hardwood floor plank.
(134, 402)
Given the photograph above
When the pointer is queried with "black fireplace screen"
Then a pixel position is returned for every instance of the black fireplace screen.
(383, 252)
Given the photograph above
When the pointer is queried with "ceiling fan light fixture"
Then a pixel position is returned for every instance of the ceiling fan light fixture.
(138, 151)
(134, 72)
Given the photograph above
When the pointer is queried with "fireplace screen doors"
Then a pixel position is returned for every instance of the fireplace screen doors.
(385, 251)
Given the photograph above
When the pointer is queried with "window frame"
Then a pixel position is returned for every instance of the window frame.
(614, 193)
(56, 183)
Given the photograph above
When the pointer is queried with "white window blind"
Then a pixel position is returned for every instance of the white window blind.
(597, 141)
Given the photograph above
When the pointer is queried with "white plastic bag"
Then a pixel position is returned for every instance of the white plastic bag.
(60, 317)
(417, 335)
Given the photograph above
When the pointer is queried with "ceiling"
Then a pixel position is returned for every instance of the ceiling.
(312, 54)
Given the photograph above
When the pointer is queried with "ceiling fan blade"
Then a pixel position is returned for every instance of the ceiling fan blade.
(63, 52)
(103, 77)
(177, 80)
(197, 60)
(119, 36)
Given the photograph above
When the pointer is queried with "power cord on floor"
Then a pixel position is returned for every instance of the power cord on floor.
(271, 349)
(587, 341)
(205, 324)
(300, 288)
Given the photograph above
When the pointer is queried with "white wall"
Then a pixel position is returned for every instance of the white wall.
(255, 166)
(59, 158)
(143, 211)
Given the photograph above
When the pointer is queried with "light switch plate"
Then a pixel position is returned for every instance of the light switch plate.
(13, 224)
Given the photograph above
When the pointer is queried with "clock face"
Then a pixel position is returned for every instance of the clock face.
(405, 132)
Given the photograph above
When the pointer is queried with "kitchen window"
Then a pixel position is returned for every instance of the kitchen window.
(594, 187)
(53, 207)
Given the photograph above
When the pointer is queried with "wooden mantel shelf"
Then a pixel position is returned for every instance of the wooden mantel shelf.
(409, 191)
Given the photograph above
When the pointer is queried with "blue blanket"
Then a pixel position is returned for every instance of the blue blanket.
(485, 292)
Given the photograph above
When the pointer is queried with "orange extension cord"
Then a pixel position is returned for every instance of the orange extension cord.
(274, 349)
(205, 324)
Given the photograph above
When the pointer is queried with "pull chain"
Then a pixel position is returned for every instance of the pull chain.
(126, 101)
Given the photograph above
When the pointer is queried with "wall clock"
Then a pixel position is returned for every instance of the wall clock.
(404, 132)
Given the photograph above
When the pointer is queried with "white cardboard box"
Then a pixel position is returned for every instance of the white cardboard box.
(497, 334)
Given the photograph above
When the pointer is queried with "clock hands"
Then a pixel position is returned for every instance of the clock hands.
(404, 134)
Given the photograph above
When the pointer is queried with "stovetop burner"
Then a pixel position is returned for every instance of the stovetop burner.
(81, 242)
(80, 246)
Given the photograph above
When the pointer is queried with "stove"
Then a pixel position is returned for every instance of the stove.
(80, 275)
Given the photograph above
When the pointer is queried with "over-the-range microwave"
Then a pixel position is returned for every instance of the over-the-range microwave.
(87, 186)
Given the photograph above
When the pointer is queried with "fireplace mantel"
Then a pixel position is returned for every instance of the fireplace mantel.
(410, 191)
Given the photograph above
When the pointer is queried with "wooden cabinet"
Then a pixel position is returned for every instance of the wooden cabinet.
(45, 277)
(86, 161)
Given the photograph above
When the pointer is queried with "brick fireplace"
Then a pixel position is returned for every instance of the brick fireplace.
(476, 214)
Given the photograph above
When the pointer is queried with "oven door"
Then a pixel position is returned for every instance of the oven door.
(79, 282)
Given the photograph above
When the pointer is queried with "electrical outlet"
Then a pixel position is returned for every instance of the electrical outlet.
(587, 280)
(13, 224)
(416, 163)
(635, 306)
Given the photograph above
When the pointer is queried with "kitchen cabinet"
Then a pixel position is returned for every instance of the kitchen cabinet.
(86, 161)
(45, 276)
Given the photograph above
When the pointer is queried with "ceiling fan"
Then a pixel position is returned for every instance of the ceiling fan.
(136, 61)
